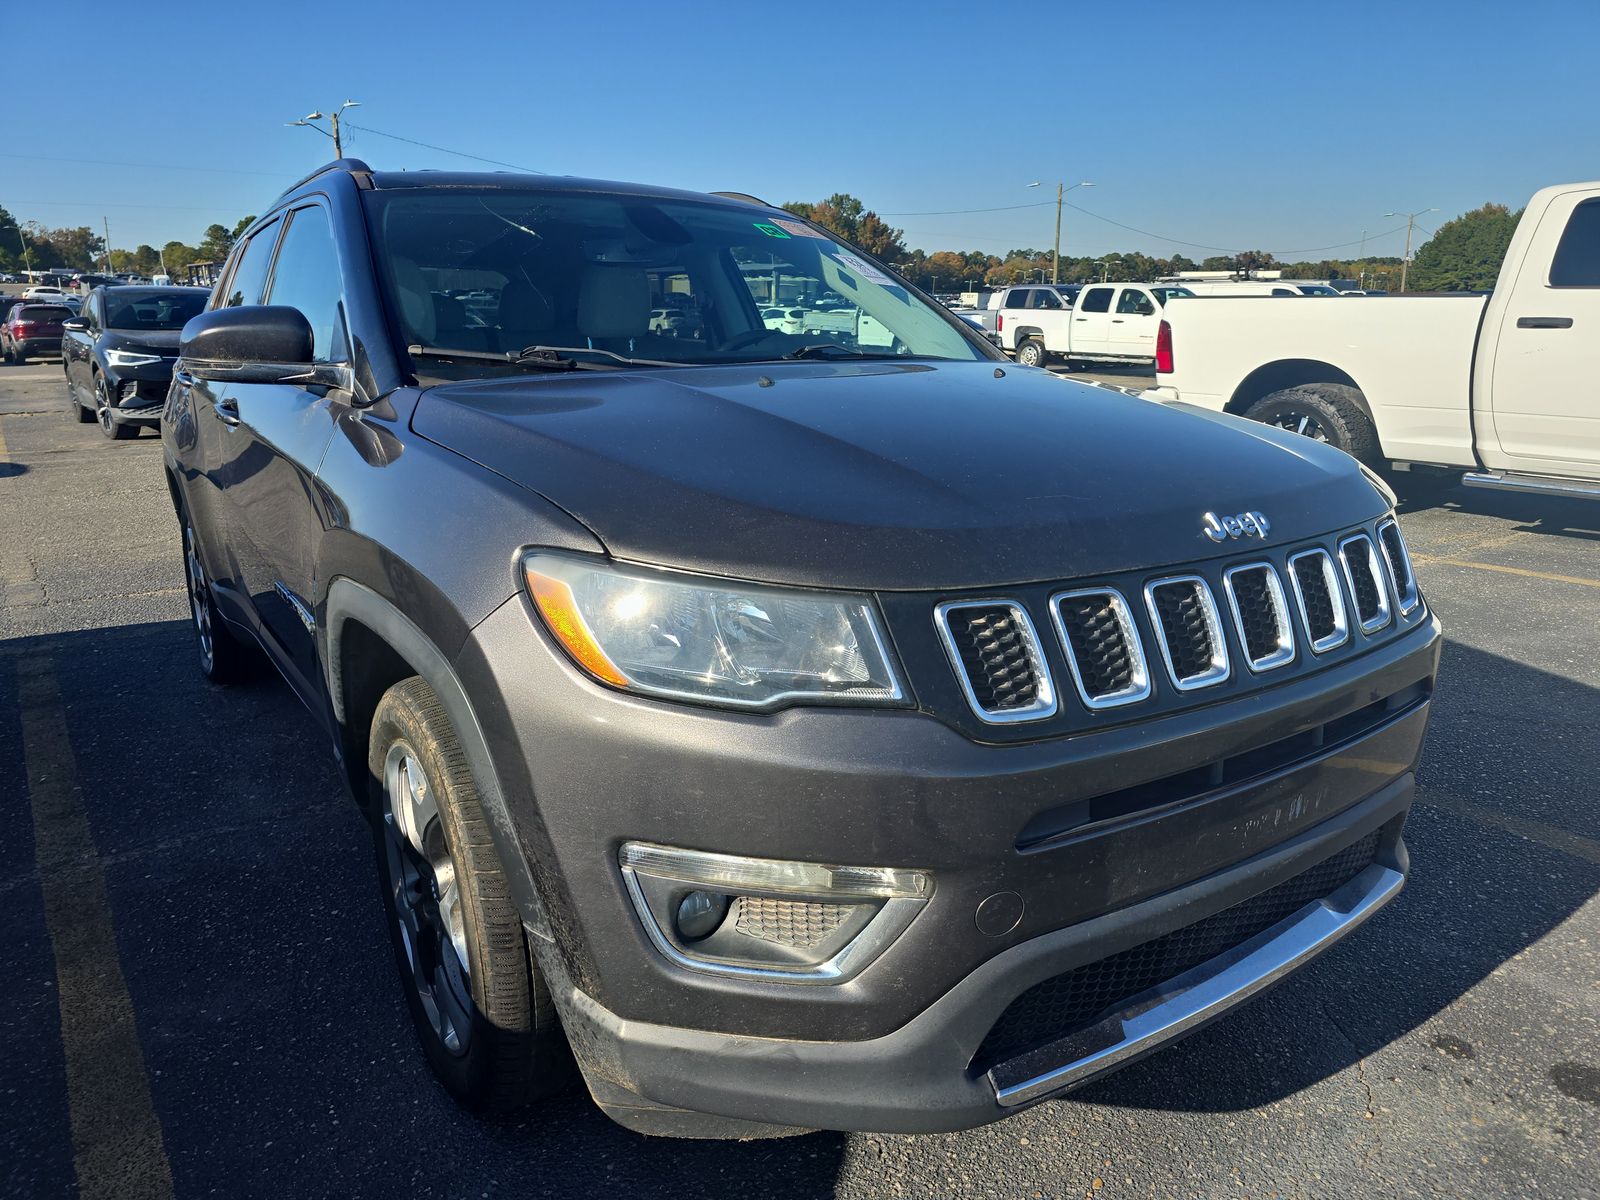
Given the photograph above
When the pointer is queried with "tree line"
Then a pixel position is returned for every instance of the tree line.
(1462, 254)
(30, 245)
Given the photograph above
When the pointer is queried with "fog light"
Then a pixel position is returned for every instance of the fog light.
(774, 919)
(699, 914)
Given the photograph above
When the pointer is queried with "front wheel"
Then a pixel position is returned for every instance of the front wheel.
(1324, 413)
(479, 1004)
(1032, 353)
(109, 425)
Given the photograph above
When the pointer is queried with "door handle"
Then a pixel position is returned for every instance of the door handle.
(1116, 320)
(227, 410)
(1544, 322)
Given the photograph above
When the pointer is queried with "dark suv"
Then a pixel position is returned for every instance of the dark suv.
(838, 728)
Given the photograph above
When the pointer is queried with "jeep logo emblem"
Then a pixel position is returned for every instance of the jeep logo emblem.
(1245, 524)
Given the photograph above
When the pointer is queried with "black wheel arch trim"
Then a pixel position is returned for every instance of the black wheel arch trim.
(347, 600)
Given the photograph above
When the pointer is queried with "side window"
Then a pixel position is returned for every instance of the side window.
(1132, 303)
(307, 278)
(1096, 300)
(1279, 291)
(1045, 298)
(1577, 260)
(250, 273)
(1019, 298)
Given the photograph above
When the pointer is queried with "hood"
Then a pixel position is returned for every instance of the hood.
(156, 341)
(889, 475)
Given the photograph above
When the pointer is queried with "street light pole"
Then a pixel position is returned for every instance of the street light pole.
(1411, 220)
(333, 118)
(1055, 255)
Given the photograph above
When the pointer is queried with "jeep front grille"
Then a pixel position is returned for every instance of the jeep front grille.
(1260, 615)
(1096, 628)
(996, 654)
(1365, 577)
(1185, 618)
(1316, 592)
(1399, 560)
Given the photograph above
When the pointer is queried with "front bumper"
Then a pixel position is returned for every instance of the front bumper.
(584, 769)
(139, 393)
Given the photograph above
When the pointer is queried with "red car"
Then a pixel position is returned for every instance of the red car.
(32, 329)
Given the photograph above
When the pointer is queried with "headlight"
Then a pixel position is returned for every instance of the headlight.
(127, 358)
(711, 640)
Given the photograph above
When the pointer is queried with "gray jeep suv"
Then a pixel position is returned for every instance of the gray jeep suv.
(832, 728)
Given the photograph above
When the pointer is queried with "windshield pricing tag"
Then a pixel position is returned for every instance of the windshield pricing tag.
(771, 231)
(863, 268)
(799, 229)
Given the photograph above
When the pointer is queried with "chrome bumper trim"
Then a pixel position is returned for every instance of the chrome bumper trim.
(1188, 1001)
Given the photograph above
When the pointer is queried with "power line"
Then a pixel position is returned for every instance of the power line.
(444, 149)
(957, 212)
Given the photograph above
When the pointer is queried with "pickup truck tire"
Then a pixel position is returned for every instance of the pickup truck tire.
(1325, 412)
(1031, 353)
(481, 1008)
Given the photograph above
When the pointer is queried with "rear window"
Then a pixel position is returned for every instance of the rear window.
(43, 312)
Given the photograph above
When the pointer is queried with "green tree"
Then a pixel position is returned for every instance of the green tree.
(1466, 252)
(243, 224)
(215, 244)
(846, 216)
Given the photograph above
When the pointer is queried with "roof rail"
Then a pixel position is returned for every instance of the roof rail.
(745, 196)
(354, 166)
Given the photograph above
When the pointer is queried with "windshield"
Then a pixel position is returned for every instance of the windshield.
(166, 308)
(499, 271)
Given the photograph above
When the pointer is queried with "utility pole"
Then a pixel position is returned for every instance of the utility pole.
(1055, 255)
(333, 118)
(111, 265)
(1411, 221)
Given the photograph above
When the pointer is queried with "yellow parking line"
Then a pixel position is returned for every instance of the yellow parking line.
(116, 1137)
(1428, 559)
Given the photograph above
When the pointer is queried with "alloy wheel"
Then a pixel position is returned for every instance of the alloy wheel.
(427, 898)
(199, 599)
(1304, 424)
(102, 405)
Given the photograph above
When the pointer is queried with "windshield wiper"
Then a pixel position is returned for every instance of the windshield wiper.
(824, 349)
(539, 358)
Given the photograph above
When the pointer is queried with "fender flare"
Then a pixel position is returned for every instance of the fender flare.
(347, 599)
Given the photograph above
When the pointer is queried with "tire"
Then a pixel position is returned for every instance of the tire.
(86, 416)
(1324, 412)
(19, 358)
(1032, 353)
(114, 430)
(480, 1006)
(224, 658)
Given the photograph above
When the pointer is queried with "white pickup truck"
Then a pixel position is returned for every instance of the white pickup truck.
(1503, 388)
(1103, 322)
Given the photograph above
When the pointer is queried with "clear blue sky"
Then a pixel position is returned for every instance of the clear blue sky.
(1275, 126)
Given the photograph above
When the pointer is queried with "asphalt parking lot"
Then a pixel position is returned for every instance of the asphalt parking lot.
(202, 999)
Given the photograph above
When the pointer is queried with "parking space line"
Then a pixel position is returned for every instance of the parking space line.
(1430, 560)
(1549, 836)
(118, 1149)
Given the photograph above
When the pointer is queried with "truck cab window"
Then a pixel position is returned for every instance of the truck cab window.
(1135, 303)
(1096, 300)
(1577, 260)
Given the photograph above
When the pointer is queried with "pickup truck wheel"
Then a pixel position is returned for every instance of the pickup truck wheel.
(481, 1008)
(1032, 353)
(1324, 412)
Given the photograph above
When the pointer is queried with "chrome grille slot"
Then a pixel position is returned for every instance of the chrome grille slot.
(1400, 572)
(996, 656)
(1316, 593)
(1096, 628)
(1260, 615)
(1185, 617)
(1365, 577)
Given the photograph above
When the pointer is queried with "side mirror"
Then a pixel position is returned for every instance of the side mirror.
(75, 324)
(260, 343)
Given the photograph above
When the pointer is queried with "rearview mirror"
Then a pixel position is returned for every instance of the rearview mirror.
(258, 343)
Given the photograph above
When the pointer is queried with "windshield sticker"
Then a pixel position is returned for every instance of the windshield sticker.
(863, 268)
(771, 231)
(799, 229)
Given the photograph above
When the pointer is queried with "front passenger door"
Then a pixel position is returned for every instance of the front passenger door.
(282, 430)
(1133, 326)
